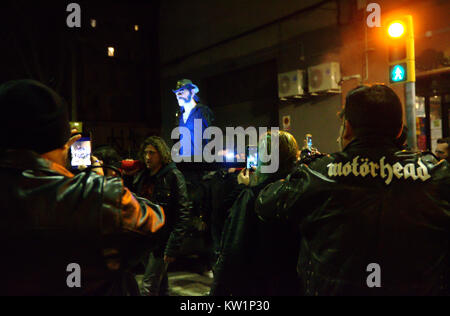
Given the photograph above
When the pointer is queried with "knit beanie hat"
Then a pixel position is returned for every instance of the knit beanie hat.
(34, 117)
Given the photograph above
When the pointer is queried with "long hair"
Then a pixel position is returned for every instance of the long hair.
(160, 145)
(288, 151)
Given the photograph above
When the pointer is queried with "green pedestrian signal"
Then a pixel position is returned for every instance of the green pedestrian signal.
(397, 73)
(400, 44)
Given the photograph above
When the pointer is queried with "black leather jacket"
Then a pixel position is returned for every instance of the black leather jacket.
(51, 218)
(255, 257)
(170, 192)
(368, 204)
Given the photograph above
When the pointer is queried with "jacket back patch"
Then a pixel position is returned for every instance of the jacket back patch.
(362, 167)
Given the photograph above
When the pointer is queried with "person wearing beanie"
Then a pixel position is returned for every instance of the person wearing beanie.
(32, 110)
(61, 234)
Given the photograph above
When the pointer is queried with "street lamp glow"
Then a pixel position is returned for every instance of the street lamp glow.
(396, 29)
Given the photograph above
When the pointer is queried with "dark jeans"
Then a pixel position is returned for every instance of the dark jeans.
(155, 281)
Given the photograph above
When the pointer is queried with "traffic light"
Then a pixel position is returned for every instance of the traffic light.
(400, 41)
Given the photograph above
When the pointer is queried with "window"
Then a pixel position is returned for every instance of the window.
(111, 51)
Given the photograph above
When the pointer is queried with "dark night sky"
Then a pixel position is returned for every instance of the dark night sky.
(38, 44)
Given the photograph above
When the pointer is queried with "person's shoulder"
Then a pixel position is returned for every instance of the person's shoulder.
(88, 179)
(97, 188)
(441, 171)
(136, 178)
(321, 162)
(427, 158)
(174, 171)
(245, 196)
(204, 109)
(176, 174)
(112, 186)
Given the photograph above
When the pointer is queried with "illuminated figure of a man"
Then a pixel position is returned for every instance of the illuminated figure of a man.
(190, 110)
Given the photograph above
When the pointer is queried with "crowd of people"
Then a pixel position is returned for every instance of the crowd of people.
(311, 228)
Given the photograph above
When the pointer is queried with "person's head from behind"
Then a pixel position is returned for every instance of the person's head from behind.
(155, 153)
(443, 148)
(371, 110)
(108, 157)
(287, 153)
(35, 118)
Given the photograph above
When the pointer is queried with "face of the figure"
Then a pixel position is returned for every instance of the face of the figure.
(152, 158)
(442, 151)
(184, 96)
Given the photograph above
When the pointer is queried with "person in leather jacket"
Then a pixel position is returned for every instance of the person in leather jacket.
(60, 233)
(374, 220)
(162, 183)
(255, 256)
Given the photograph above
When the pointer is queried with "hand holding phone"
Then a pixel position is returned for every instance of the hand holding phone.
(244, 177)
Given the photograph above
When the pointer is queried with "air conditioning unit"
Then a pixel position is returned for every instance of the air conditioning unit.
(324, 78)
(291, 84)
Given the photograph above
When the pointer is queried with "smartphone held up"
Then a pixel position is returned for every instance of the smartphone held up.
(80, 152)
(251, 157)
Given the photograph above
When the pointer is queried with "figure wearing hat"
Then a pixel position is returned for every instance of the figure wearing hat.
(190, 110)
